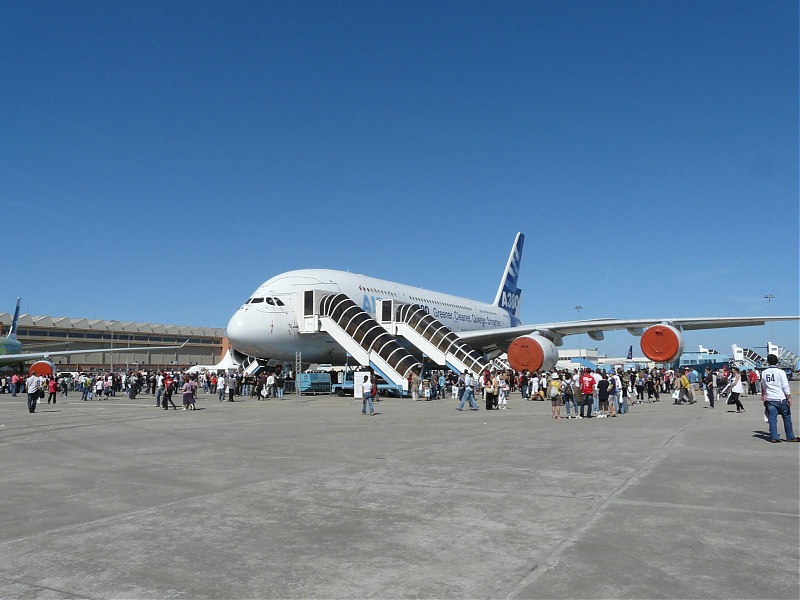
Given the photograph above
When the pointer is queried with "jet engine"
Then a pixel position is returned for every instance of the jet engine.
(532, 353)
(662, 343)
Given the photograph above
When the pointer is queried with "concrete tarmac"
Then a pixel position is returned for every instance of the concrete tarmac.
(310, 499)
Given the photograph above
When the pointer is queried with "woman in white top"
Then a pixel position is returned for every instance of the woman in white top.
(736, 389)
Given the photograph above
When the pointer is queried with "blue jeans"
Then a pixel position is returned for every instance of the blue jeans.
(586, 406)
(279, 393)
(774, 408)
(468, 395)
(159, 395)
(367, 401)
(571, 400)
(32, 400)
(623, 405)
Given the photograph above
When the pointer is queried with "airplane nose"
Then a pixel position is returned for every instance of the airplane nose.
(242, 331)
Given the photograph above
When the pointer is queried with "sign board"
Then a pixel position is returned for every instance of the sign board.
(358, 383)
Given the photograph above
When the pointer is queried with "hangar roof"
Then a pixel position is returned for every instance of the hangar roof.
(102, 325)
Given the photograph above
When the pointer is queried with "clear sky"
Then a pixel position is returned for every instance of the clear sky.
(159, 160)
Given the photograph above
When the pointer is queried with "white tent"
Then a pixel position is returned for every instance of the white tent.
(226, 363)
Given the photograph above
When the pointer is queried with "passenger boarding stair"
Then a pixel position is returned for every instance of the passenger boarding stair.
(786, 358)
(431, 336)
(746, 358)
(359, 334)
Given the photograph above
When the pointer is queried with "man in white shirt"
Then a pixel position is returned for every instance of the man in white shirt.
(32, 387)
(221, 387)
(777, 398)
(469, 392)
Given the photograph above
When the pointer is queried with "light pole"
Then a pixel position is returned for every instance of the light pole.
(769, 298)
(580, 351)
(112, 345)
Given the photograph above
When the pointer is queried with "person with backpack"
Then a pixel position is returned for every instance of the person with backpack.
(568, 394)
(554, 393)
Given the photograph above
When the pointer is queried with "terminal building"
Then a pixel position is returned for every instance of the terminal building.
(204, 345)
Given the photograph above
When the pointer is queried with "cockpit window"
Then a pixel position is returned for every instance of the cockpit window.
(256, 300)
(279, 302)
(269, 301)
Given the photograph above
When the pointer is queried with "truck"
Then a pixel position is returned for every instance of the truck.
(347, 387)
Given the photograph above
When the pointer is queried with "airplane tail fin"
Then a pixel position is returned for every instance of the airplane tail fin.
(508, 294)
(12, 333)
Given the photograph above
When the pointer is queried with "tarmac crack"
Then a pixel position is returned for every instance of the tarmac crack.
(36, 586)
(549, 559)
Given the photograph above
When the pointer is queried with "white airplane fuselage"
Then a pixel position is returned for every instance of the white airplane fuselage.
(266, 326)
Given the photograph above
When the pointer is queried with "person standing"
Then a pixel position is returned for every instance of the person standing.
(159, 389)
(279, 386)
(220, 385)
(736, 390)
(366, 397)
(52, 389)
(271, 385)
(752, 377)
(554, 393)
(490, 390)
(32, 388)
(502, 393)
(777, 398)
(587, 393)
(710, 383)
(230, 383)
(603, 392)
(189, 390)
(568, 393)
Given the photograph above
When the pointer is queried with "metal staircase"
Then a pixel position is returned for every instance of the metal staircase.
(363, 337)
(746, 358)
(432, 337)
(786, 358)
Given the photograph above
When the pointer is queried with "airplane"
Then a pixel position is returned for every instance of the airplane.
(269, 326)
(11, 348)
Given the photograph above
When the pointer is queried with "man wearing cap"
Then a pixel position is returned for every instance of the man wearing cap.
(777, 398)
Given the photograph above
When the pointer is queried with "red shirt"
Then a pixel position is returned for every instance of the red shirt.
(587, 383)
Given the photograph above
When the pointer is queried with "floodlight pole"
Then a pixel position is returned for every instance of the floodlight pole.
(769, 298)
(580, 351)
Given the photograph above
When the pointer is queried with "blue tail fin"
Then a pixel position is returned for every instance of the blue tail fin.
(12, 333)
(508, 294)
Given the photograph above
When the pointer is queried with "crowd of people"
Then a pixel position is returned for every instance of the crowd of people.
(589, 392)
(582, 394)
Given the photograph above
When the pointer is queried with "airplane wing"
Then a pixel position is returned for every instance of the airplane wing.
(17, 358)
(490, 339)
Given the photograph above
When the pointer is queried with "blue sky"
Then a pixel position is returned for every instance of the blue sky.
(162, 159)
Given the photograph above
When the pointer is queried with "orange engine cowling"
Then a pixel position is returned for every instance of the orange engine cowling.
(662, 343)
(42, 368)
(532, 353)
